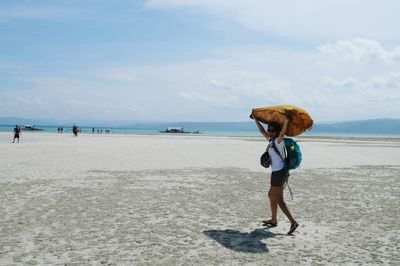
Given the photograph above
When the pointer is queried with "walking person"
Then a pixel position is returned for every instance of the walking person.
(279, 175)
(17, 133)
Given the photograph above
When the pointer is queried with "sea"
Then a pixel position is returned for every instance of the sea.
(230, 129)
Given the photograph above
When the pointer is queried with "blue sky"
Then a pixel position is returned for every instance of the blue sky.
(175, 60)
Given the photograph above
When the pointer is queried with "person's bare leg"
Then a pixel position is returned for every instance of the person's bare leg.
(286, 211)
(283, 206)
(273, 195)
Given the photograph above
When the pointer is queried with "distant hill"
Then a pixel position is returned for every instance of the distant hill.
(372, 126)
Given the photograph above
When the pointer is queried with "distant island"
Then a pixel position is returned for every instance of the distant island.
(372, 126)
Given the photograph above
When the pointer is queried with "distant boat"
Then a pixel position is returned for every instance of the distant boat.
(31, 128)
(174, 130)
(179, 130)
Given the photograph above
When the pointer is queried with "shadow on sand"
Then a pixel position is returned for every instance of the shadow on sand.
(243, 242)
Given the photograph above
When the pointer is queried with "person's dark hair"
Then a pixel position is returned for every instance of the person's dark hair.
(275, 126)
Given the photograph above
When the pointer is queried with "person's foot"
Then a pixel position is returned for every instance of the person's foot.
(293, 228)
(269, 223)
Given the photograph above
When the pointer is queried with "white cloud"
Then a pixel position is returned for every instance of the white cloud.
(34, 102)
(359, 50)
(250, 83)
(120, 74)
(213, 99)
(345, 83)
(388, 82)
(194, 96)
(75, 102)
(374, 97)
(312, 19)
(23, 100)
(225, 89)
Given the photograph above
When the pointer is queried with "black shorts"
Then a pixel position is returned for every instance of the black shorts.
(278, 178)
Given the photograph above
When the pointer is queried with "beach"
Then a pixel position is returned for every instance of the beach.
(194, 200)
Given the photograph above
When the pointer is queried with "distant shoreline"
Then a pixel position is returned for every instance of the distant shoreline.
(301, 138)
(221, 130)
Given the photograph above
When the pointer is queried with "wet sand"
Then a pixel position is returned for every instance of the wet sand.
(178, 200)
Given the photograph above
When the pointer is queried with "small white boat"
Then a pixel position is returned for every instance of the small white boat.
(32, 128)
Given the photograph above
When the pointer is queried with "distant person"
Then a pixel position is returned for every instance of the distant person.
(92, 130)
(58, 130)
(17, 133)
(62, 129)
(279, 175)
(75, 130)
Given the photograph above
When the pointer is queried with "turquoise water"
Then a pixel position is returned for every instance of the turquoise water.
(68, 129)
(135, 131)
(216, 129)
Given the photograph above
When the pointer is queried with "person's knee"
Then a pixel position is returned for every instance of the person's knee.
(281, 202)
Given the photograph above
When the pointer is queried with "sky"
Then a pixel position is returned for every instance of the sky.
(198, 60)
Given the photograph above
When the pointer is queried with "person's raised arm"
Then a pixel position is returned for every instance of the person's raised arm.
(261, 129)
(283, 130)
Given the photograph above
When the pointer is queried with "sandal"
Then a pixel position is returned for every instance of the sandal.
(269, 223)
(293, 228)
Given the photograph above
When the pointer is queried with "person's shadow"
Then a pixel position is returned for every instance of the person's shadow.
(243, 242)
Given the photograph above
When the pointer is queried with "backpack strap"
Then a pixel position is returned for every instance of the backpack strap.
(287, 184)
(269, 146)
(277, 151)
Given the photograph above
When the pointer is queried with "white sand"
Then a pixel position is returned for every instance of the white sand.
(162, 200)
